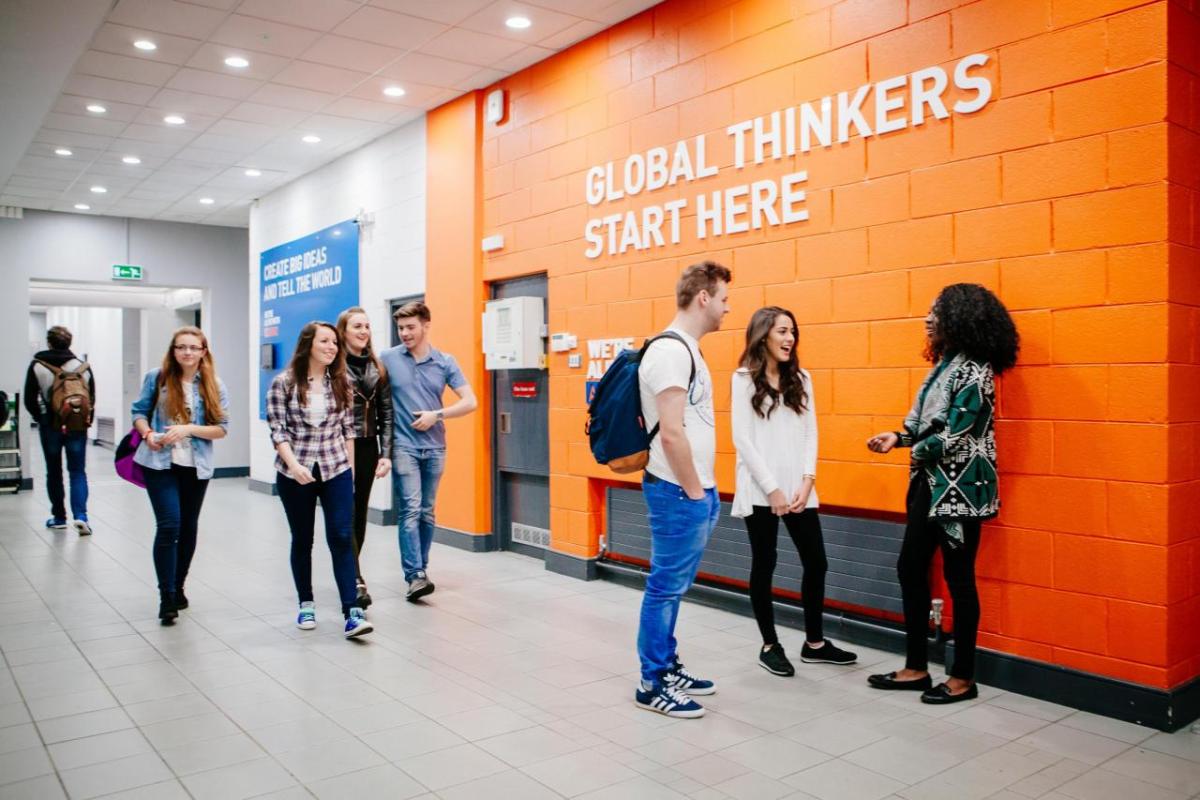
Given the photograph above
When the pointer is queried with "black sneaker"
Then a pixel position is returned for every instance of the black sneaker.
(167, 613)
(362, 597)
(828, 654)
(774, 661)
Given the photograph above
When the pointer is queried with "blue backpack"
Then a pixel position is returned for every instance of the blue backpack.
(616, 428)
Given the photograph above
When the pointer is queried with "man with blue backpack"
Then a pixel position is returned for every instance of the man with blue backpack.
(654, 410)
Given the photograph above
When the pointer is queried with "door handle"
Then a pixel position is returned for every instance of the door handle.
(505, 422)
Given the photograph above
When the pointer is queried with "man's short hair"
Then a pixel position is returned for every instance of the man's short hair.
(414, 309)
(59, 338)
(700, 277)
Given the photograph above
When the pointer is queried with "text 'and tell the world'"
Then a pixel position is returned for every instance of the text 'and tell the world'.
(298, 274)
(771, 137)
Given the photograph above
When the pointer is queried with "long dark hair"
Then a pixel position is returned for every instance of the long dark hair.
(337, 370)
(171, 374)
(969, 319)
(755, 357)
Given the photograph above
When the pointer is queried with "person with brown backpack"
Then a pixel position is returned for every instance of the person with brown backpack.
(60, 393)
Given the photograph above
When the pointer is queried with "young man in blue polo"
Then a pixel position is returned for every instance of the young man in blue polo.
(419, 375)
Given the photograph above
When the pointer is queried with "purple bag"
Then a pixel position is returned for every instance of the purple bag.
(127, 468)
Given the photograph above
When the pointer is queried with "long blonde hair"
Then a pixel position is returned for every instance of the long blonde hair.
(172, 373)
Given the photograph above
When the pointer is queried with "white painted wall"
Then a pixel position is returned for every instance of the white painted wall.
(386, 179)
(96, 337)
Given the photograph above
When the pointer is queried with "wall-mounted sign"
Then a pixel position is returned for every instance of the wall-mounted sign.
(524, 389)
(126, 272)
(895, 103)
(602, 353)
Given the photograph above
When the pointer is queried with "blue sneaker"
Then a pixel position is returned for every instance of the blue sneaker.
(56, 524)
(685, 681)
(357, 624)
(307, 619)
(669, 701)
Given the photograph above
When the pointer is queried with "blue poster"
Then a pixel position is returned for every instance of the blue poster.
(313, 278)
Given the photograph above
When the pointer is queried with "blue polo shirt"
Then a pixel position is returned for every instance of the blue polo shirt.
(418, 386)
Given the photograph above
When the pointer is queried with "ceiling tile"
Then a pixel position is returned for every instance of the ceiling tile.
(527, 57)
(361, 109)
(267, 114)
(480, 79)
(211, 57)
(202, 155)
(431, 70)
(612, 13)
(448, 11)
(319, 77)
(84, 124)
(73, 104)
(94, 88)
(264, 36)
(389, 28)
(159, 133)
(415, 94)
(119, 39)
(274, 94)
(230, 86)
(19, 182)
(73, 139)
(321, 15)
(224, 5)
(490, 20)
(168, 16)
(249, 131)
(125, 68)
(173, 100)
(338, 51)
(230, 148)
(188, 170)
(162, 150)
(471, 47)
(576, 33)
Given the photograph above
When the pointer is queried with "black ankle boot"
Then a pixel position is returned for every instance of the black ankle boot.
(181, 601)
(167, 612)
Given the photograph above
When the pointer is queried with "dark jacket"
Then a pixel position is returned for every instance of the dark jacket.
(372, 402)
(39, 381)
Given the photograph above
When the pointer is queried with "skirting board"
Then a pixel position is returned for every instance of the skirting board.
(582, 568)
(1166, 710)
(474, 542)
(263, 487)
(231, 472)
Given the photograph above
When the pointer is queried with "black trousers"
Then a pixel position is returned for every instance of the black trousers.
(805, 529)
(922, 537)
(366, 456)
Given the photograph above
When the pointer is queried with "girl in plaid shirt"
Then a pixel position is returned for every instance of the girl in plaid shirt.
(312, 427)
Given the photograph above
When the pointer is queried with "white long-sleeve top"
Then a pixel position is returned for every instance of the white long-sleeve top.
(775, 452)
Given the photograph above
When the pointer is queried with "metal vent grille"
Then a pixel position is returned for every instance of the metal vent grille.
(106, 430)
(529, 535)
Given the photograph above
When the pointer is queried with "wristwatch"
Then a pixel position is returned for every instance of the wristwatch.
(441, 415)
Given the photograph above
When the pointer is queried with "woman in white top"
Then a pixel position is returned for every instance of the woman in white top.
(775, 433)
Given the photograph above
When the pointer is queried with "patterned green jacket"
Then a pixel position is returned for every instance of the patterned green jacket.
(951, 430)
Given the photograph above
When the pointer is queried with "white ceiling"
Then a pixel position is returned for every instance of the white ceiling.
(316, 67)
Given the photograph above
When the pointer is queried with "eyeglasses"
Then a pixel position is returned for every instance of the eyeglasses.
(189, 348)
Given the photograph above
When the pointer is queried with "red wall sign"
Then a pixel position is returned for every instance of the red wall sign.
(524, 389)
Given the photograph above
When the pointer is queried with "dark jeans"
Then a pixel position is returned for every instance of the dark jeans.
(176, 495)
(366, 456)
(54, 441)
(922, 537)
(337, 505)
(762, 527)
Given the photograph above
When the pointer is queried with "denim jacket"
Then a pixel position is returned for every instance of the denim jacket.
(202, 449)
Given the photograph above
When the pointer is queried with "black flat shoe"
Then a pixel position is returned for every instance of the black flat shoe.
(888, 681)
(940, 695)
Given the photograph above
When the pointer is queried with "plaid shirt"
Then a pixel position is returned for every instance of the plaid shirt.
(324, 444)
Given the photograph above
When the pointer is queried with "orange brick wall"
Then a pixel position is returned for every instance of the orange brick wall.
(1075, 193)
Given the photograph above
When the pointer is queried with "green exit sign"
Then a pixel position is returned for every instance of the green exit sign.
(127, 272)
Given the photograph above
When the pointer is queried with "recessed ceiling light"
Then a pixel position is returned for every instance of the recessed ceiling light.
(82, 207)
(62, 151)
(96, 108)
(206, 201)
(518, 23)
(310, 139)
(253, 173)
(98, 190)
(145, 44)
(394, 91)
(237, 62)
(131, 160)
(174, 119)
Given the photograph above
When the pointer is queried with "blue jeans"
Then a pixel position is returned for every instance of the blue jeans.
(54, 441)
(337, 504)
(679, 531)
(176, 495)
(415, 478)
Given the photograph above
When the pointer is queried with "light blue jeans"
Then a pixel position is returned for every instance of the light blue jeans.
(415, 478)
(679, 531)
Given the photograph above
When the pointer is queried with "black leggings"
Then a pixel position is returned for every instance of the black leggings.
(922, 537)
(366, 457)
(805, 529)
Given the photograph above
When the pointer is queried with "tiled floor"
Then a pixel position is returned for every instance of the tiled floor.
(510, 683)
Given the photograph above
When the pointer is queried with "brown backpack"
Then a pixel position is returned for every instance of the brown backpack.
(70, 400)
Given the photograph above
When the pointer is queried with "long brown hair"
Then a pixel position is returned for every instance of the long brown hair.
(754, 359)
(337, 370)
(343, 323)
(171, 375)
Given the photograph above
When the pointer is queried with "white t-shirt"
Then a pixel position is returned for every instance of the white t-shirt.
(314, 412)
(666, 365)
(181, 451)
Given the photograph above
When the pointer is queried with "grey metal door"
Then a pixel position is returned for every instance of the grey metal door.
(521, 444)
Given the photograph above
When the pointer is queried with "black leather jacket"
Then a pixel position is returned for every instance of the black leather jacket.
(372, 402)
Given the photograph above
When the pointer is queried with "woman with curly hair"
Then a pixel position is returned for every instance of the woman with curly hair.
(775, 434)
(952, 489)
